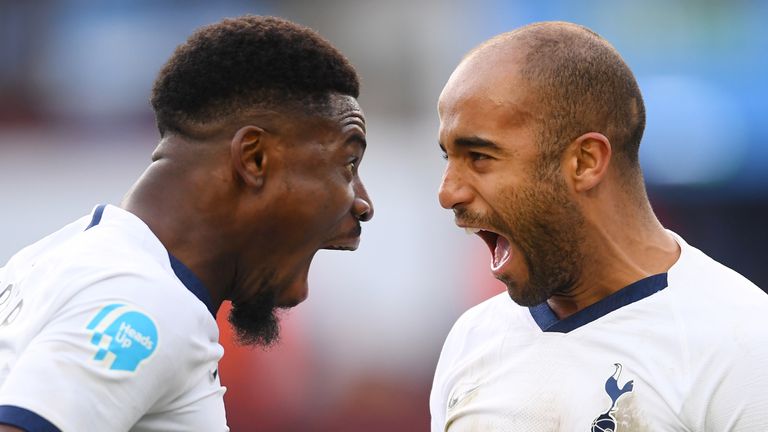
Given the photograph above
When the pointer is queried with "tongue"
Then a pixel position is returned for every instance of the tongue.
(501, 253)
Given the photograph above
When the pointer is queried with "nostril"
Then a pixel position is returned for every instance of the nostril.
(363, 210)
(365, 217)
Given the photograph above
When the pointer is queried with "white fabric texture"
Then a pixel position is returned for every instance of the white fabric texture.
(690, 357)
(97, 333)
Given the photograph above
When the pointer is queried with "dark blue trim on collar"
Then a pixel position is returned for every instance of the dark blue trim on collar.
(96, 216)
(25, 419)
(185, 275)
(548, 321)
(192, 283)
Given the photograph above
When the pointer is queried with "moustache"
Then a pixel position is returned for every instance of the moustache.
(463, 216)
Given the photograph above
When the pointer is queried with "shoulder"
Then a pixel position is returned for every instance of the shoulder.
(119, 256)
(478, 329)
(102, 311)
(695, 270)
(715, 307)
(76, 269)
(481, 324)
(486, 313)
(91, 267)
(708, 291)
(116, 269)
(721, 319)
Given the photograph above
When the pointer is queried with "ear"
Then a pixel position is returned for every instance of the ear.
(249, 155)
(588, 158)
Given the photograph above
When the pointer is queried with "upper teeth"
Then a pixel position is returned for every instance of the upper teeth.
(471, 231)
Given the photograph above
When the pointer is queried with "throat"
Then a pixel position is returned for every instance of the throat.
(565, 306)
(571, 298)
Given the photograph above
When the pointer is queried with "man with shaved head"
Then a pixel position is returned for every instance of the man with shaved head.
(610, 322)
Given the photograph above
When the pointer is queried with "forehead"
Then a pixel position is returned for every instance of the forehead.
(484, 96)
(339, 119)
(344, 111)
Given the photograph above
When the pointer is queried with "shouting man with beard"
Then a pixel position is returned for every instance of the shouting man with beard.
(609, 322)
(109, 323)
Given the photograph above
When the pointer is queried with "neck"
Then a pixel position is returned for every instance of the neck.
(169, 200)
(618, 250)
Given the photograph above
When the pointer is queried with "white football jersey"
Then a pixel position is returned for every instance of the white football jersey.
(101, 329)
(684, 350)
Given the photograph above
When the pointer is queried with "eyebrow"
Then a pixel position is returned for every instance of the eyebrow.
(474, 142)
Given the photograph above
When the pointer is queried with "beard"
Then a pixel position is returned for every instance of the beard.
(547, 227)
(256, 321)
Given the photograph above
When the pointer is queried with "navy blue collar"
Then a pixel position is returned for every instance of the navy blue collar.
(548, 321)
(185, 275)
(192, 283)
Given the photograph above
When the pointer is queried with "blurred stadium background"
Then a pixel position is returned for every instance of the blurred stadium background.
(76, 129)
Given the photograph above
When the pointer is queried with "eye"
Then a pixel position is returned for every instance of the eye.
(478, 156)
(443, 153)
(351, 166)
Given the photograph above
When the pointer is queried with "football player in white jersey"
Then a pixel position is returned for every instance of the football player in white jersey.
(609, 322)
(109, 323)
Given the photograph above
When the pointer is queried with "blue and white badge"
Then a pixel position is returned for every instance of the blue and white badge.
(125, 337)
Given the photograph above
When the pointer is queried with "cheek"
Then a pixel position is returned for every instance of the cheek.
(507, 201)
(329, 203)
(320, 195)
(523, 211)
(339, 200)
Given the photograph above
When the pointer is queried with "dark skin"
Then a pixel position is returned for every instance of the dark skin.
(248, 207)
(238, 208)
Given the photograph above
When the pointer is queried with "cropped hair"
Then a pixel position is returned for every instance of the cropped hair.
(580, 84)
(248, 62)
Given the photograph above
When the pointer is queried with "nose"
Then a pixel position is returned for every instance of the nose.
(362, 207)
(453, 190)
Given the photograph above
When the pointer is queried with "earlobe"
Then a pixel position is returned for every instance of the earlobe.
(591, 156)
(249, 156)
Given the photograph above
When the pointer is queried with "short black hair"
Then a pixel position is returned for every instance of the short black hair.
(581, 84)
(245, 62)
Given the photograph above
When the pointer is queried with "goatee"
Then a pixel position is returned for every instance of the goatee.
(256, 322)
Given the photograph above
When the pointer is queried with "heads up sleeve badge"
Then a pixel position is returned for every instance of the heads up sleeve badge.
(124, 336)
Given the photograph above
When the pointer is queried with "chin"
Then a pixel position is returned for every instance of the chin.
(522, 299)
(524, 294)
(288, 303)
(292, 294)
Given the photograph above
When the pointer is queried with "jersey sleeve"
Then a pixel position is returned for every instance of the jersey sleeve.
(739, 401)
(98, 364)
(728, 389)
(438, 398)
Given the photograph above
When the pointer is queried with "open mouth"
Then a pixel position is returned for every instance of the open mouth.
(339, 247)
(346, 242)
(498, 244)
